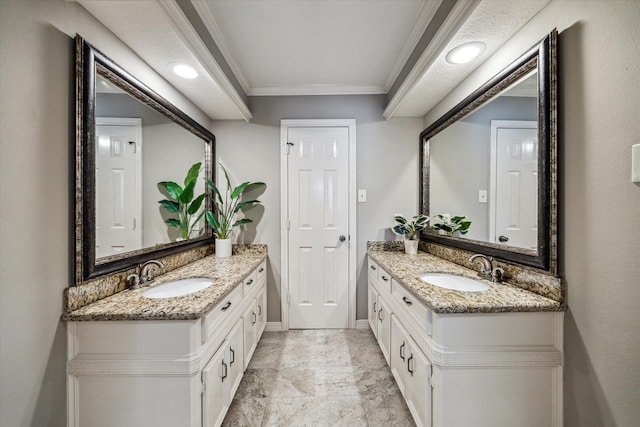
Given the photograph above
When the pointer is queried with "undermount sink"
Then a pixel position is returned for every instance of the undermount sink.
(454, 282)
(178, 288)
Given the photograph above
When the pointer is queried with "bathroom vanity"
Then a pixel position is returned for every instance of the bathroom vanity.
(489, 358)
(137, 361)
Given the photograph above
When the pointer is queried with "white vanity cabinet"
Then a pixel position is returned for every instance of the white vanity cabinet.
(163, 372)
(470, 369)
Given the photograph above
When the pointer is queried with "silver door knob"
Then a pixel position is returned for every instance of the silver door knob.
(342, 238)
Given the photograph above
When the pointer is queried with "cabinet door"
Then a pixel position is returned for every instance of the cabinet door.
(398, 353)
(418, 391)
(214, 399)
(384, 327)
(236, 358)
(373, 310)
(250, 319)
(262, 312)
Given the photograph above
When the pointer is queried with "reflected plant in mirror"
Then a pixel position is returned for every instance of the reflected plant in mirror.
(184, 204)
(450, 225)
(493, 157)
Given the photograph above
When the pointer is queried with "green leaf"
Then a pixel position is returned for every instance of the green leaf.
(173, 222)
(169, 205)
(212, 186)
(239, 190)
(212, 220)
(187, 195)
(192, 175)
(399, 229)
(242, 221)
(195, 205)
(226, 175)
(400, 219)
(245, 204)
(172, 188)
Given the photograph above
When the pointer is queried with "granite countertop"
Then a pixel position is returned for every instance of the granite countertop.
(131, 305)
(500, 297)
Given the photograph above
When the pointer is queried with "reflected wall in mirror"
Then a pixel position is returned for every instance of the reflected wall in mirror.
(129, 140)
(492, 158)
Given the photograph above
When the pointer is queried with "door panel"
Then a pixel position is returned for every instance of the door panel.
(516, 184)
(118, 209)
(318, 182)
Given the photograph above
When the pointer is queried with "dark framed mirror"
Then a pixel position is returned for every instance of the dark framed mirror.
(493, 159)
(129, 139)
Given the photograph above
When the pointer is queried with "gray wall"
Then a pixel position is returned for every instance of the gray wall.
(37, 136)
(599, 206)
(387, 167)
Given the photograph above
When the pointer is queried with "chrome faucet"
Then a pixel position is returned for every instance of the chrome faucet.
(487, 269)
(145, 270)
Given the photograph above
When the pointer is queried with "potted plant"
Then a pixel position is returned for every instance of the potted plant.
(451, 225)
(183, 202)
(222, 218)
(410, 230)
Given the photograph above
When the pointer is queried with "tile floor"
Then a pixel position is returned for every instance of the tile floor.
(318, 378)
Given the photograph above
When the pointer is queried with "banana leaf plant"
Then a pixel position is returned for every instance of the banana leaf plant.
(450, 224)
(409, 228)
(222, 219)
(183, 202)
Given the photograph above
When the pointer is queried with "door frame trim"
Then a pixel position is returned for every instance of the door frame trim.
(284, 191)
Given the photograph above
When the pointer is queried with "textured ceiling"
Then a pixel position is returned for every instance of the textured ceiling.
(283, 47)
(311, 47)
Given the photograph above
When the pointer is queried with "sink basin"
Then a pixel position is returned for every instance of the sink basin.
(456, 283)
(178, 288)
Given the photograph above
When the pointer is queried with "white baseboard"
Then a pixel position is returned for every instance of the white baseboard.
(362, 324)
(273, 327)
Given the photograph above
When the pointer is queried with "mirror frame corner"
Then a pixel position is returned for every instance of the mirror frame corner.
(544, 54)
(87, 62)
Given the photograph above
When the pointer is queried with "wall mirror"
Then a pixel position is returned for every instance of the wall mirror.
(493, 159)
(128, 140)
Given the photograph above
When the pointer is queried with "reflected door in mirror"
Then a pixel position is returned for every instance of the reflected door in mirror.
(118, 198)
(513, 218)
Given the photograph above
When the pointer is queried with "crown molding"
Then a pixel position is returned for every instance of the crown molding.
(210, 22)
(427, 12)
(192, 40)
(316, 90)
(456, 19)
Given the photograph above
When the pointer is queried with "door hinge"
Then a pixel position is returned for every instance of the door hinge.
(204, 388)
(288, 224)
(289, 145)
(288, 299)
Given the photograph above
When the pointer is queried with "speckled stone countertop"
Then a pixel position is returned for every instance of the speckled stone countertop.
(500, 297)
(131, 305)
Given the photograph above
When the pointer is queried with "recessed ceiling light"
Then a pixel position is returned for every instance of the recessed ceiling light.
(183, 70)
(465, 52)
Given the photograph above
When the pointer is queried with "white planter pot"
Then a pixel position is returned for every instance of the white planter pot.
(223, 248)
(411, 246)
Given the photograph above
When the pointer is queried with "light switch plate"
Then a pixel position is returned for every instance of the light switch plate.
(362, 196)
(635, 163)
(482, 196)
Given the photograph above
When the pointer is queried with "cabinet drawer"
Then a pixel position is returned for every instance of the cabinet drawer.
(250, 282)
(261, 272)
(414, 307)
(218, 314)
(384, 279)
(373, 270)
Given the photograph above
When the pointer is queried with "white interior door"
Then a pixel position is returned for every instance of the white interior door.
(118, 196)
(318, 227)
(514, 216)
